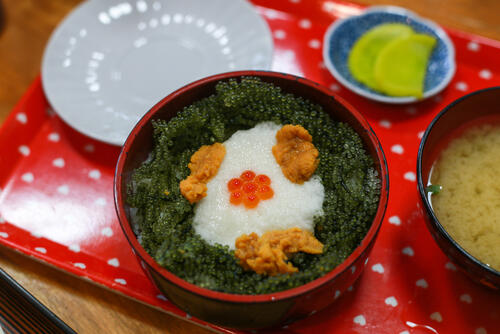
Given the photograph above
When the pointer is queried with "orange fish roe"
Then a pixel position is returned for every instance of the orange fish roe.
(249, 189)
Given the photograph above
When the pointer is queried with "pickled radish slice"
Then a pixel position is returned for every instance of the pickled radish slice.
(401, 66)
(366, 49)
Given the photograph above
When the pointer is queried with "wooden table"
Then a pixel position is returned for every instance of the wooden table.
(83, 306)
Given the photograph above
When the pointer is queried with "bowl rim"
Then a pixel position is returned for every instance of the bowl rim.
(360, 90)
(424, 196)
(365, 244)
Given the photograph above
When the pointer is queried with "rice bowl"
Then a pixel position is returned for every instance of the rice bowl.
(225, 308)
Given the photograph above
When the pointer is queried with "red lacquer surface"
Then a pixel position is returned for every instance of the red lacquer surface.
(56, 200)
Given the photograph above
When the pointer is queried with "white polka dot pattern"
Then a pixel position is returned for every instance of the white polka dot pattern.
(107, 231)
(28, 177)
(410, 176)
(450, 266)
(59, 163)
(101, 201)
(408, 251)
(24, 150)
(411, 110)
(485, 74)
(360, 320)
(162, 297)
(473, 46)
(385, 124)
(271, 14)
(398, 149)
(95, 174)
(395, 220)
(279, 34)
(74, 248)
(41, 250)
(422, 283)
(54, 166)
(22, 118)
(114, 262)
(436, 316)
(36, 234)
(89, 148)
(121, 281)
(80, 265)
(54, 137)
(378, 268)
(335, 87)
(466, 298)
(314, 44)
(461, 86)
(63, 189)
(391, 301)
(305, 24)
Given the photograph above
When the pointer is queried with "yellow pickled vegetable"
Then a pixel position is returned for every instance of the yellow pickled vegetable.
(366, 49)
(391, 58)
(401, 66)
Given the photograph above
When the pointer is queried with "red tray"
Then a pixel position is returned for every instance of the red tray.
(56, 201)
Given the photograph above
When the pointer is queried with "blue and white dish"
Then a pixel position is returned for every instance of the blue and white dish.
(343, 33)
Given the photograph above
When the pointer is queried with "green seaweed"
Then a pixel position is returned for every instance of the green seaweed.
(164, 217)
(434, 189)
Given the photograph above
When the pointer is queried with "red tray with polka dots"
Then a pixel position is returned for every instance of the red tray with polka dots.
(56, 197)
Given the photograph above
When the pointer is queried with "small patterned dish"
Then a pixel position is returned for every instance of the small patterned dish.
(341, 35)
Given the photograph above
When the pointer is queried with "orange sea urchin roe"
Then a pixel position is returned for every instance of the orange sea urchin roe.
(267, 255)
(249, 189)
(203, 166)
(295, 153)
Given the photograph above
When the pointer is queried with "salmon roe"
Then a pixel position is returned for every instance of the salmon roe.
(249, 189)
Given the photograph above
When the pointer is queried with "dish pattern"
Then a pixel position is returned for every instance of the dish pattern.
(56, 200)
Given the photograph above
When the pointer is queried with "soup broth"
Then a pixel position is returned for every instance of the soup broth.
(468, 203)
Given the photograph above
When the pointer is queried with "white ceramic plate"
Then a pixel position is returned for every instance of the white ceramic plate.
(110, 61)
